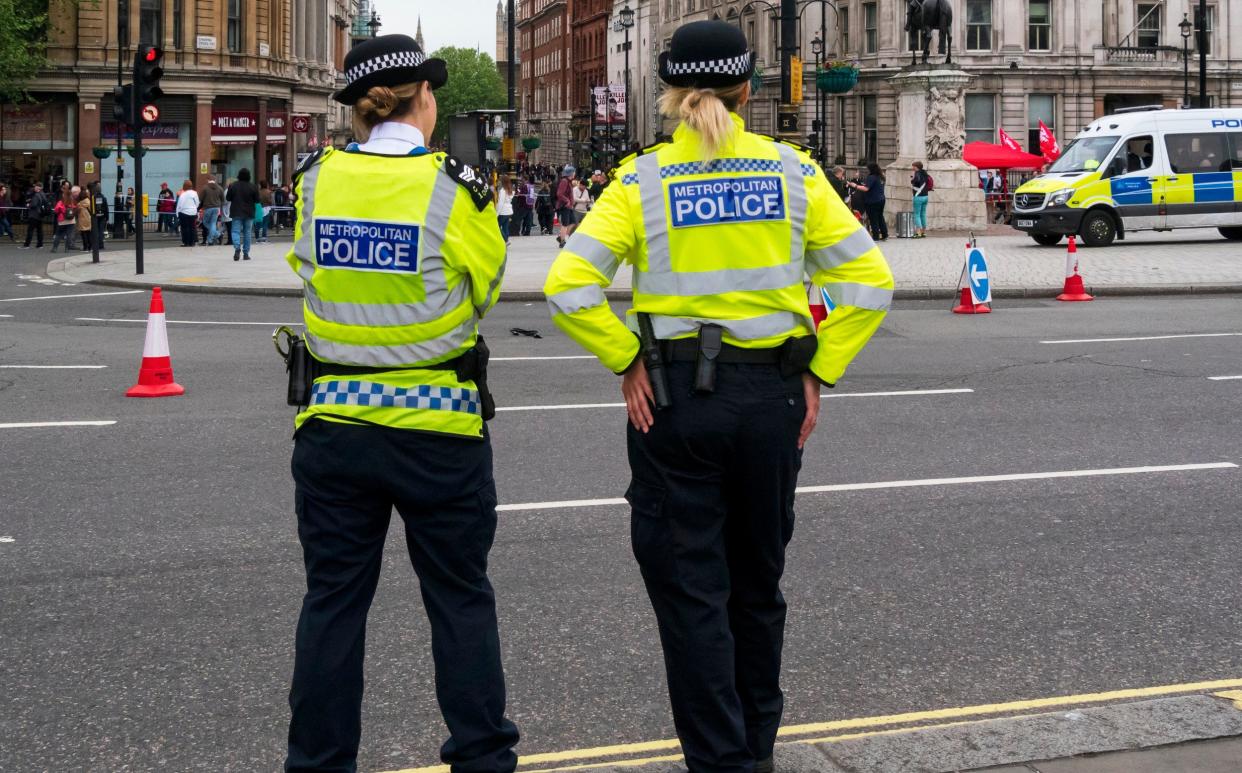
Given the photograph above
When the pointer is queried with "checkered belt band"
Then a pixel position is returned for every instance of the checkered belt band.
(371, 394)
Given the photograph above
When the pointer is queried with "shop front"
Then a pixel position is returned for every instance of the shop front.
(166, 159)
(234, 135)
(277, 140)
(37, 144)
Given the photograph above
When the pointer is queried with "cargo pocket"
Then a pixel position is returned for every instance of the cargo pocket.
(650, 530)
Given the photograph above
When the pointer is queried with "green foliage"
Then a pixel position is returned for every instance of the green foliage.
(473, 84)
(23, 46)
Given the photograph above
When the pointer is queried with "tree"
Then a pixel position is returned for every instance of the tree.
(473, 84)
(23, 46)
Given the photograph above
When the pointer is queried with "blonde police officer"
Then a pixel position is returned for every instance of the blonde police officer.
(720, 226)
(400, 256)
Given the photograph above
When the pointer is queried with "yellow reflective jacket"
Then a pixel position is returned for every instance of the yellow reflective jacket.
(725, 242)
(400, 262)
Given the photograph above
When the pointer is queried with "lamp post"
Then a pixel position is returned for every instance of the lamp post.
(1185, 26)
(1203, 45)
(374, 24)
(817, 48)
(626, 18)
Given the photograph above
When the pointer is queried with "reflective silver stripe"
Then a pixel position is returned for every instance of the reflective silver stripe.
(304, 250)
(848, 249)
(377, 356)
(491, 287)
(796, 196)
(655, 222)
(859, 296)
(718, 282)
(595, 252)
(751, 329)
(435, 228)
(386, 314)
(577, 299)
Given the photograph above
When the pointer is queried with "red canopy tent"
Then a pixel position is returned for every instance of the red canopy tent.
(984, 155)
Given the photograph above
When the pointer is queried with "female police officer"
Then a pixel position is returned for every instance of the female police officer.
(719, 226)
(400, 256)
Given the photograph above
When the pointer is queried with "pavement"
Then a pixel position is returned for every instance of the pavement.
(1181, 262)
(1016, 545)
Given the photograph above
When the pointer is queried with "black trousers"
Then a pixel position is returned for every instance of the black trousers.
(187, 228)
(712, 512)
(34, 227)
(876, 222)
(348, 479)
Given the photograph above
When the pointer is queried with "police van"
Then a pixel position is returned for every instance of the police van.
(1141, 169)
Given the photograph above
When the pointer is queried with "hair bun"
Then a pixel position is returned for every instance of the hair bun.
(378, 103)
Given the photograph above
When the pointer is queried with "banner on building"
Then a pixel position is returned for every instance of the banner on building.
(616, 104)
(599, 102)
(35, 123)
(156, 132)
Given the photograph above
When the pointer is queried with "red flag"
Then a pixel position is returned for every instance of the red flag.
(1009, 142)
(1048, 143)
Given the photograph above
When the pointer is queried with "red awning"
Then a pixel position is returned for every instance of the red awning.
(984, 155)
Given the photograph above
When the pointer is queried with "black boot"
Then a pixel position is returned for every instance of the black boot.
(236, 254)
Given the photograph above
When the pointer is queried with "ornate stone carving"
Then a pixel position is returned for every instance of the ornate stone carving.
(946, 123)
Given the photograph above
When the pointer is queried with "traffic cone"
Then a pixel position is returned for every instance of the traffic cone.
(1074, 289)
(968, 305)
(155, 377)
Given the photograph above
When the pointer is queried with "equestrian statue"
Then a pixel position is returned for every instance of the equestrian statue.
(926, 16)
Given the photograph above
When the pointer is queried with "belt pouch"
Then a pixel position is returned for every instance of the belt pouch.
(796, 355)
(472, 366)
(711, 342)
(301, 367)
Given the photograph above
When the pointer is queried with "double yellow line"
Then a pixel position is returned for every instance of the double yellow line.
(837, 730)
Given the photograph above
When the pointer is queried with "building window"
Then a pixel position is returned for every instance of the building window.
(1149, 25)
(178, 32)
(1039, 107)
(750, 32)
(235, 26)
(1209, 28)
(151, 23)
(844, 16)
(980, 118)
(871, 39)
(841, 128)
(978, 25)
(775, 27)
(870, 131)
(1039, 25)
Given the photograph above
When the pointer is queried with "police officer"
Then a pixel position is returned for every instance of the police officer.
(400, 256)
(720, 226)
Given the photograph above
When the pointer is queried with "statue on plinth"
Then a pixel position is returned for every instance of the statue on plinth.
(926, 16)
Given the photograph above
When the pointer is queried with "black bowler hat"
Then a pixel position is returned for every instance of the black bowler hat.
(390, 60)
(707, 55)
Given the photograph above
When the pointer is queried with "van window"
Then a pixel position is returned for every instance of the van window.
(1237, 150)
(1198, 153)
(1084, 155)
(1138, 154)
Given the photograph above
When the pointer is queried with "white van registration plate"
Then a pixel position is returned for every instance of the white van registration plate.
(1026, 223)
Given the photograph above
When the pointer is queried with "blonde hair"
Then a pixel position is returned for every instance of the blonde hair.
(706, 111)
(382, 103)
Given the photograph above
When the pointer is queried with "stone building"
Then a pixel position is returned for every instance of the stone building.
(546, 81)
(1060, 61)
(248, 84)
(646, 43)
(589, 31)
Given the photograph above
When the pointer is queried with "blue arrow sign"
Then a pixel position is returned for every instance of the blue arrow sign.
(977, 274)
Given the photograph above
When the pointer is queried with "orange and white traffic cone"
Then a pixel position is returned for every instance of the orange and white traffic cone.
(1074, 289)
(155, 377)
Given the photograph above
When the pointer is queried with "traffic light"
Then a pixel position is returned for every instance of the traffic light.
(123, 105)
(812, 140)
(148, 69)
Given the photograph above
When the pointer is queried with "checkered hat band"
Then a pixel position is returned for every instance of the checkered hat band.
(738, 65)
(386, 62)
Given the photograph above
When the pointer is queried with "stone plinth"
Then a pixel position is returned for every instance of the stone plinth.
(931, 127)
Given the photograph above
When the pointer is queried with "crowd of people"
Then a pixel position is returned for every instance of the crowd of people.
(553, 198)
(74, 214)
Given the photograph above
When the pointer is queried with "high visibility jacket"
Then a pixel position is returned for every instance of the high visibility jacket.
(723, 242)
(400, 262)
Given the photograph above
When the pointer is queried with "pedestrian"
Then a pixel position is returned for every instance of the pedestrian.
(565, 204)
(243, 199)
(75, 194)
(858, 197)
(263, 217)
(99, 232)
(85, 213)
(389, 336)
(38, 209)
(597, 185)
(921, 185)
(988, 183)
(6, 208)
(874, 200)
(714, 472)
(504, 206)
(838, 182)
(188, 205)
(129, 212)
(66, 213)
(211, 197)
(280, 201)
(166, 209)
(521, 209)
(543, 208)
(582, 200)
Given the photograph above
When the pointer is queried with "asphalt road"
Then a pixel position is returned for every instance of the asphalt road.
(150, 574)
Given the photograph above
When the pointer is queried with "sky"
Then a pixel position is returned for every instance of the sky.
(463, 23)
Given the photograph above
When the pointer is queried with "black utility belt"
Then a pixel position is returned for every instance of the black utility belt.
(687, 350)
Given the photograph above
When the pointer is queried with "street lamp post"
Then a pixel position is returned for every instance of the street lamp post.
(1203, 45)
(817, 48)
(626, 17)
(1185, 26)
(374, 24)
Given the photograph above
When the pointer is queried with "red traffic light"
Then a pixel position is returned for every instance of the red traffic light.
(154, 54)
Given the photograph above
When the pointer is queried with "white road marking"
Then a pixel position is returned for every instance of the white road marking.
(909, 393)
(188, 322)
(1224, 378)
(52, 367)
(532, 359)
(925, 482)
(7, 539)
(1140, 338)
(43, 280)
(40, 424)
(6, 316)
(77, 295)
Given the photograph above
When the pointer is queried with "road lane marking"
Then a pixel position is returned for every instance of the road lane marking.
(1224, 378)
(187, 322)
(827, 395)
(919, 483)
(76, 295)
(52, 367)
(7, 539)
(938, 716)
(38, 424)
(6, 316)
(1139, 338)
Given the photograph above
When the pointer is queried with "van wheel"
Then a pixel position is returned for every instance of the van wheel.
(1233, 233)
(1099, 229)
(1047, 240)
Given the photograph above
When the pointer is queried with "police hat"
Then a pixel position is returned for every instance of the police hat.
(707, 55)
(390, 60)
